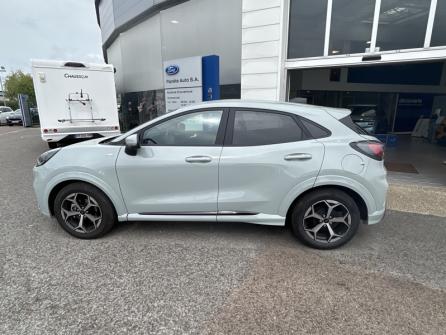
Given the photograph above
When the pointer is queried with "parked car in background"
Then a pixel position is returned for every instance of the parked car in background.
(14, 118)
(4, 112)
(226, 161)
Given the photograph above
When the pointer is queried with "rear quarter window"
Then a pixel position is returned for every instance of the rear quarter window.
(314, 129)
(348, 122)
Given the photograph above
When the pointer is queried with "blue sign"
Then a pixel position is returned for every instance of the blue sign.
(211, 77)
(172, 70)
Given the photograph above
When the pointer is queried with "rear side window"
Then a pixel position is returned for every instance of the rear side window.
(315, 130)
(347, 121)
(262, 128)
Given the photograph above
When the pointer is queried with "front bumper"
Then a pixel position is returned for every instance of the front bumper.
(39, 186)
(376, 217)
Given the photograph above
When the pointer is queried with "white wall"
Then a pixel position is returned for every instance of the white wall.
(205, 27)
(141, 56)
(262, 51)
(115, 58)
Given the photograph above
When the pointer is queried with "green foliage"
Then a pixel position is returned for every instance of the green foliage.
(14, 104)
(19, 83)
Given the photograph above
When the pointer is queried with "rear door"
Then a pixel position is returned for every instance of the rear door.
(266, 155)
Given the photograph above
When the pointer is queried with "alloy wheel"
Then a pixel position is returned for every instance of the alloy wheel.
(81, 212)
(327, 221)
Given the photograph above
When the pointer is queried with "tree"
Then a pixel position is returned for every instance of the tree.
(20, 83)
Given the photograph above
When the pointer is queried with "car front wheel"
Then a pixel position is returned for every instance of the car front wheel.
(325, 219)
(84, 211)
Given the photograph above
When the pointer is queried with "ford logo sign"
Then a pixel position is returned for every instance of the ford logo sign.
(172, 70)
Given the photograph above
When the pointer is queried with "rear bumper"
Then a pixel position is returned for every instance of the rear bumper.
(56, 137)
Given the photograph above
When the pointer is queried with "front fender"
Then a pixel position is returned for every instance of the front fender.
(114, 195)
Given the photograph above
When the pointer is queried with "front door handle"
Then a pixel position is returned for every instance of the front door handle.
(199, 159)
(298, 157)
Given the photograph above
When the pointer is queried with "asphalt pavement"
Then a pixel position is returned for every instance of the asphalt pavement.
(209, 278)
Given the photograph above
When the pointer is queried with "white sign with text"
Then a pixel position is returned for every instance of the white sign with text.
(182, 82)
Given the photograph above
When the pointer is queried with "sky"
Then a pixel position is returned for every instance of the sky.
(48, 29)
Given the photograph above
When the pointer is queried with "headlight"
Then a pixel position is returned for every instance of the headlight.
(46, 156)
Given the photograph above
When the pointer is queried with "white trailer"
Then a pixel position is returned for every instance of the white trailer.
(76, 101)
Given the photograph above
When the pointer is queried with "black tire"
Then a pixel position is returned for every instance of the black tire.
(320, 199)
(52, 145)
(107, 211)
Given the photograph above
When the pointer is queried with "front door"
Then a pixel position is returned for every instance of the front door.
(175, 172)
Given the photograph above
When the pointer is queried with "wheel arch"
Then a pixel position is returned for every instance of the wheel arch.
(63, 183)
(360, 202)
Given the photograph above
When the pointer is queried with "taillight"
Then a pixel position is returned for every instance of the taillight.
(372, 149)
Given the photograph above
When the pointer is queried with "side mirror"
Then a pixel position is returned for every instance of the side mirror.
(132, 144)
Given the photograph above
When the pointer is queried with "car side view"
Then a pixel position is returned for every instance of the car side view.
(225, 161)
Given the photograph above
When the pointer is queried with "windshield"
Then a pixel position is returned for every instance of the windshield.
(5, 109)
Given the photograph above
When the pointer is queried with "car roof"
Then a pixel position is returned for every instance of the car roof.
(311, 112)
(290, 107)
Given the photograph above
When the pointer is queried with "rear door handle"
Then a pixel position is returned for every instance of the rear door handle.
(199, 159)
(298, 157)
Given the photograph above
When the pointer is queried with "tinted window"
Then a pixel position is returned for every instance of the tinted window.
(315, 130)
(351, 26)
(261, 128)
(347, 121)
(439, 30)
(402, 24)
(194, 129)
(307, 28)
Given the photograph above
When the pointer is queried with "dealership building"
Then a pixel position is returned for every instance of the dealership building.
(383, 59)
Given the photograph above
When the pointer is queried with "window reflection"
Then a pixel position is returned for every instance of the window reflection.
(351, 26)
(439, 30)
(307, 28)
(402, 24)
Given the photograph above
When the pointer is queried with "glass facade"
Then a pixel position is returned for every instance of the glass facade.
(439, 30)
(345, 15)
(140, 107)
(307, 28)
(400, 25)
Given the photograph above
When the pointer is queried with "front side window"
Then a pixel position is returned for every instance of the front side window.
(193, 129)
(262, 128)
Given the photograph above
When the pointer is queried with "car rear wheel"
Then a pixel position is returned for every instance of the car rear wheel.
(52, 145)
(84, 211)
(325, 219)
